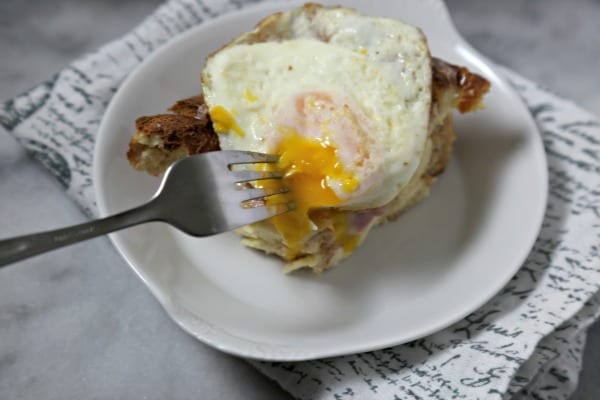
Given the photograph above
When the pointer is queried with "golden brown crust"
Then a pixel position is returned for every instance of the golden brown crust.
(469, 87)
(192, 107)
(180, 130)
(452, 87)
(169, 137)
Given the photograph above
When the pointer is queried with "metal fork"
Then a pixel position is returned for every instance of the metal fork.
(201, 195)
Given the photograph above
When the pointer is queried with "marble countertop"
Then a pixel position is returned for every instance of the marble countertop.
(77, 323)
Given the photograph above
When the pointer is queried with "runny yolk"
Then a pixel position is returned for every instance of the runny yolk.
(311, 169)
(223, 121)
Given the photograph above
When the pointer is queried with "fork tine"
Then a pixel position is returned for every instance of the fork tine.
(205, 186)
(260, 193)
(259, 213)
(247, 176)
(234, 157)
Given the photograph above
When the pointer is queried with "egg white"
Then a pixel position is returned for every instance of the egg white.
(375, 71)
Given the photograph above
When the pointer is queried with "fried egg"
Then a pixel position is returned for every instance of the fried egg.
(343, 98)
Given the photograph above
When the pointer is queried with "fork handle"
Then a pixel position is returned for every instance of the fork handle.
(19, 248)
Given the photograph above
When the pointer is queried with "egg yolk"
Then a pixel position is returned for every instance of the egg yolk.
(311, 170)
(223, 121)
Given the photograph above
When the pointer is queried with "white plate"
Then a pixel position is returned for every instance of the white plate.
(437, 263)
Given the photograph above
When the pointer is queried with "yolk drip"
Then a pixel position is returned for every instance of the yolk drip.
(311, 168)
(223, 121)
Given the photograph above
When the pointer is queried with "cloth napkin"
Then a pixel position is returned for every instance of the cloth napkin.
(526, 342)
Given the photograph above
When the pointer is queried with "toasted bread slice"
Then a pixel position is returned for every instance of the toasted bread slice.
(163, 139)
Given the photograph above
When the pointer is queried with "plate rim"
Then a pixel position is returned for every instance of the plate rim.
(229, 343)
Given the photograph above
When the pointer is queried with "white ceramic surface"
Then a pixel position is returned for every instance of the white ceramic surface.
(437, 263)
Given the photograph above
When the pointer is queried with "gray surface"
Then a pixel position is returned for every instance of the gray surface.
(77, 323)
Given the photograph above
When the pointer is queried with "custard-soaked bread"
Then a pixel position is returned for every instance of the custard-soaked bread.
(334, 230)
